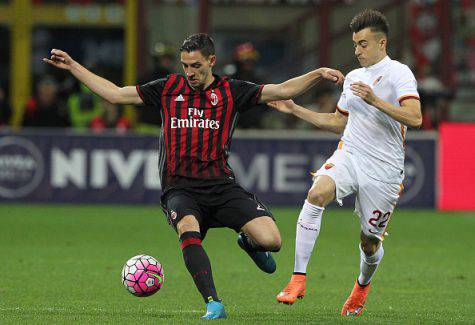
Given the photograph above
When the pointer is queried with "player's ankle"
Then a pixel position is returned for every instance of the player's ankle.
(296, 276)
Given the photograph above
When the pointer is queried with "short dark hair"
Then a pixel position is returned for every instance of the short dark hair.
(198, 42)
(372, 19)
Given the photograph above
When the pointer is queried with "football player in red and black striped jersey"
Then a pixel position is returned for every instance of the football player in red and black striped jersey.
(199, 112)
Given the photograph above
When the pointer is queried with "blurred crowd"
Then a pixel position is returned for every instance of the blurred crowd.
(54, 105)
(68, 104)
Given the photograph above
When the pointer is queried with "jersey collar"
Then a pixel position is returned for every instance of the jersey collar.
(380, 64)
(214, 84)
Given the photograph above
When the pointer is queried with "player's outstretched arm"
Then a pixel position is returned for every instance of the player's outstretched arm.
(333, 122)
(298, 85)
(103, 87)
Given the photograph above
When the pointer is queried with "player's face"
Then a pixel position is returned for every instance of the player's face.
(198, 68)
(370, 47)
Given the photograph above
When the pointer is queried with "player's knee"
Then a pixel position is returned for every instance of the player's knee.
(369, 245)
(271, 243)
(276, 244)
(187, 224)
(184, 227)
(319, 197)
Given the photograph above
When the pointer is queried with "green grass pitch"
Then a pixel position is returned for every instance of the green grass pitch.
(62, 264)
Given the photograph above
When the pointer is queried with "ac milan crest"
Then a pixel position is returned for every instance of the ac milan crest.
(214, 99)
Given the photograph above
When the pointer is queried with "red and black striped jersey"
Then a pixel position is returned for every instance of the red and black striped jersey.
(197, 127)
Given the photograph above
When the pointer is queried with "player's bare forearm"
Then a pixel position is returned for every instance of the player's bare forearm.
(333, 122)
(409, 113)
(298, 85)
(104, 88)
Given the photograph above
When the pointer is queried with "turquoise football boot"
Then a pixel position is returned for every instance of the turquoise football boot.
(214, 310)
(263, 260)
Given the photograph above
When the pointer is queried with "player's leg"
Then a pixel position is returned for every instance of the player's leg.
(375, 203)
(262, 233)
(198, 264)
(333, 181)
(195, 257)
(242, 211)
(258, 238)
(371, 254)
(184, 214)
(320, 194)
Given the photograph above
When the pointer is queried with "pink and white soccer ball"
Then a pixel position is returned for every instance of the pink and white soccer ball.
(142, 275)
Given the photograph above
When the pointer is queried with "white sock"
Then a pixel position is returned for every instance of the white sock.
(308, 227)
(369, 264)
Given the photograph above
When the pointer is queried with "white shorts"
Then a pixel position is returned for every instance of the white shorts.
(375, 200)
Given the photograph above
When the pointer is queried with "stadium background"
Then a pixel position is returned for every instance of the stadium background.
(62, 149)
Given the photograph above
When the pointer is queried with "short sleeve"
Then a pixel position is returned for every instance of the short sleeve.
(151, 93)
(342, 105)
(405, 84)
(245, 94)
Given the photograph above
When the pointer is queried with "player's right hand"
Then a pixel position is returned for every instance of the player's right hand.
(333, 75)
(284, 106)
(59, 59)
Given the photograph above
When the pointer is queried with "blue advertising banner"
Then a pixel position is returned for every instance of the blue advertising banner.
(278, 169)
(72, 168)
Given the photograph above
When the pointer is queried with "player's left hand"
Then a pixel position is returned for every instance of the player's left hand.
(363, 91)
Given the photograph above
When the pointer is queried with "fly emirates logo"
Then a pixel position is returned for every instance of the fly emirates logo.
(195, 120)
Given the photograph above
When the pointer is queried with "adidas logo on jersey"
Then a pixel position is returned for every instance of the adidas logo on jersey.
(179, 98)
(259, 207)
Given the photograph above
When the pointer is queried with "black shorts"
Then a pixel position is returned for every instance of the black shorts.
(226, 205)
